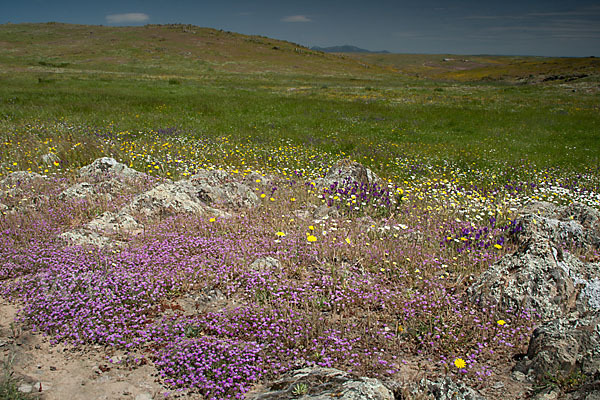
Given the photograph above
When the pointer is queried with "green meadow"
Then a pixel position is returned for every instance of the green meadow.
(213, 84)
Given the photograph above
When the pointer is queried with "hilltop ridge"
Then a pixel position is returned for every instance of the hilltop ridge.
(176, 49)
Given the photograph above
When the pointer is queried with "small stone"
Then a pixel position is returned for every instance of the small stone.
(498, 385)
(52, 368)
(519, 376)
(143, 396)
(25, 388)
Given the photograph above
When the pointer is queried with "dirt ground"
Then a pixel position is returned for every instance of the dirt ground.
(57, 372)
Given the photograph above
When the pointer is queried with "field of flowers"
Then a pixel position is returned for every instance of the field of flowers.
(374, 288)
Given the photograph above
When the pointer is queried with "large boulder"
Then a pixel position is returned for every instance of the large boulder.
(539, 274)
(540, 277)
(323, 384)
(169, 199)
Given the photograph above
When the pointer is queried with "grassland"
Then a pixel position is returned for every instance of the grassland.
(461, 153)
(214, 84)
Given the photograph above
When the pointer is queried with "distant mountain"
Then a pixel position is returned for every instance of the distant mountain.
(345, 49)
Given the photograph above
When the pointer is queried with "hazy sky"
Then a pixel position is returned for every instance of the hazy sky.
(525, 27)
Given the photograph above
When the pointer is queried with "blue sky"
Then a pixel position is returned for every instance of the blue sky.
(526, 27)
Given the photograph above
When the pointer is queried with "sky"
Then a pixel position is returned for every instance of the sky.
(505, 27)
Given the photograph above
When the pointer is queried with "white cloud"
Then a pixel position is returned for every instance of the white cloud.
(125, 18)
(296, 18)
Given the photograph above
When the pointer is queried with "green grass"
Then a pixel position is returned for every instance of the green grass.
(339, 106)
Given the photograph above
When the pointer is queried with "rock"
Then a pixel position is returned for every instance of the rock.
(143, 396)
(575, 224)
(112, 223)
(169, 199)
(519, 376)
(265, 264)
(83, 190)
(84, 237)
(25, 388)
(324, 384)
(446, 389)
(105, 168)
(588, 218)
(564, 347)
(542, 208)
(18, 178)
(348, 172)
(231, 194)
(539, 275)
(18, 184)
(78, 191)
(50, 159)
(213, 177)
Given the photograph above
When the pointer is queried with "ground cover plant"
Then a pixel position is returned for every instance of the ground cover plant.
(373, 288)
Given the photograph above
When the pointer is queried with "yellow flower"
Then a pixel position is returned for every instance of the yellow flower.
(293, 199)
(272, 199)
(280, 234)
(212, 220)
(262, 196)
(498, 246)
(312, 228)
(311, 238)
(348, 240)
(501, 322)
(460, 363)
(56, 164)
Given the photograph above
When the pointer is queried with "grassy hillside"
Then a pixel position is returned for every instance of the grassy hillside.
(180, 50)
(213, 84)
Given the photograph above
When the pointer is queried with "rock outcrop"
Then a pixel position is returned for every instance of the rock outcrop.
(105, 168)
(323, 384)
(564, 291)
(541, 275)
(208, 193)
